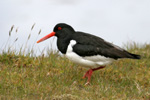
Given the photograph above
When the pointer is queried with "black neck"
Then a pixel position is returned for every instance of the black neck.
(62, 44)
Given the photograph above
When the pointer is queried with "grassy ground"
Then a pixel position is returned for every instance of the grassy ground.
(53, 77)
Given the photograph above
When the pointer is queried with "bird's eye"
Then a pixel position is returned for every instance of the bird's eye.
(59, 28)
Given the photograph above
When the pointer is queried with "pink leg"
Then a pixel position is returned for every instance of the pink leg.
(88, 74)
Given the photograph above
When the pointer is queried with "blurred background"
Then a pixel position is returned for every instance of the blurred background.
(119, 22)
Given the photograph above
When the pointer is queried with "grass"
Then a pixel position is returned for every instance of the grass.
(53, 77)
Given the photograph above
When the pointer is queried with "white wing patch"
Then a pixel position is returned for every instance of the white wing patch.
(71, 44)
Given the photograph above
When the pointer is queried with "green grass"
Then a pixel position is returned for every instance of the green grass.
(53, 77)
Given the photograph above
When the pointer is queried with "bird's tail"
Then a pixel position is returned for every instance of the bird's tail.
(135, 56)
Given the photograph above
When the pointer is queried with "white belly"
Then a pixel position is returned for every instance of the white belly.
(89, 61)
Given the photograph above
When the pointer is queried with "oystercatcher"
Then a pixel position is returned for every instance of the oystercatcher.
(85, 49)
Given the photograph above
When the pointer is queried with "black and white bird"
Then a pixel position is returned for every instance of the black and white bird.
(87, 50)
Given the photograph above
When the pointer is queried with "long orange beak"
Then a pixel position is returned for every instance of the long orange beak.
(46, 37)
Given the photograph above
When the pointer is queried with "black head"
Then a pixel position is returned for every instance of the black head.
(62, 26)
(61, 30)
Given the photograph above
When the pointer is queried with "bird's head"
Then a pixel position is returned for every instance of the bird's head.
(60, 30)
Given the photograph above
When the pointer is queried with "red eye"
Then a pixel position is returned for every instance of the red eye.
(59, 28)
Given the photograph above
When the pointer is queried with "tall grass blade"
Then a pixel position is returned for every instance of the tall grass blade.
(39, 32)
(16, 29)
(32, 26)
(29, 36)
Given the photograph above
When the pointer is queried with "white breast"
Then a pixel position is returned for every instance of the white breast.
(88, 61)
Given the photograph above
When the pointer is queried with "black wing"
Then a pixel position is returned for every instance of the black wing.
(89, 45)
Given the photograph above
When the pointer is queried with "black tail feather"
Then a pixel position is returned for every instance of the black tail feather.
(134, 56)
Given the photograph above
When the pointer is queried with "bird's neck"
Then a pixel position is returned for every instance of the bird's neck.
(62, 44)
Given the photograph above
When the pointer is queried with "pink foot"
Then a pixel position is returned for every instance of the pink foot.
(88, 74)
